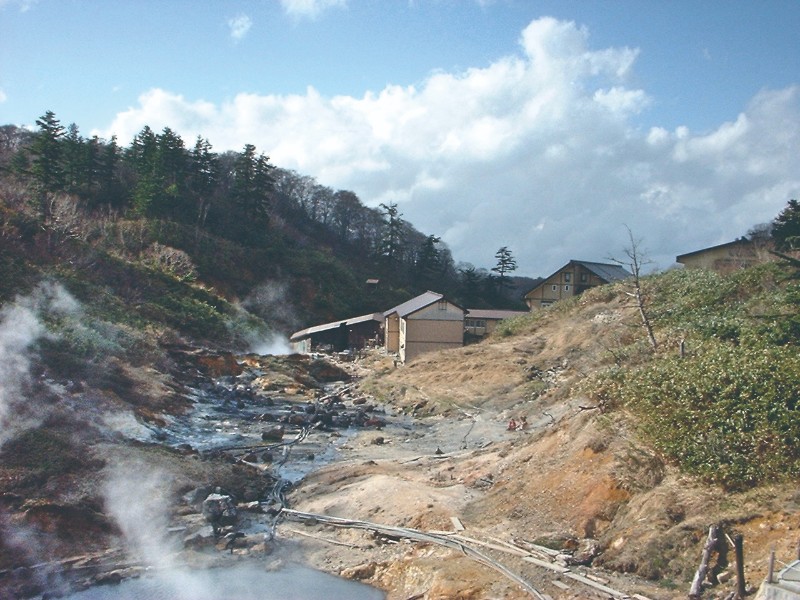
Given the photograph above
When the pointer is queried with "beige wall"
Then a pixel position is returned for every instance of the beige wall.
(392, 333)
(425, 335)
(725, 259)
(436, 327)
(565, 283)
(438, 311)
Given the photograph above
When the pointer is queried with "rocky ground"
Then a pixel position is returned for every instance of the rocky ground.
(570, 506)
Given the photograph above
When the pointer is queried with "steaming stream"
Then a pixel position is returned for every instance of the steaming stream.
(235, 583)
(224, 417)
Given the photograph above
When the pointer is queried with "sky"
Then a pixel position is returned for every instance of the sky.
(550, 127)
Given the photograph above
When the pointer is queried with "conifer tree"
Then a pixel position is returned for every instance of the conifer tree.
(47, 168)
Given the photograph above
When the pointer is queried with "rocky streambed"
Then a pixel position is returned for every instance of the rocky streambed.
(193, 480)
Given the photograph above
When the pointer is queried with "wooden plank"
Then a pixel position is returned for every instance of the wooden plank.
(593, 584)
(545, 565)
(560, 584)
(468, 540)
(457, 524)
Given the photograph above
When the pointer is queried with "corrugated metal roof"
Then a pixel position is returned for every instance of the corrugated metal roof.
(298, 335)
(606, 271)
(415, 304)
(480, 313)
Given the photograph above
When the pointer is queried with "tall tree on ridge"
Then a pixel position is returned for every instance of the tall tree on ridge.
(46, 149)
(392, 237)
(505, 265)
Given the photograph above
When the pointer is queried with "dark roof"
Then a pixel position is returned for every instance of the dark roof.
(303, 333)
(415, 304)
(418, 303)
(491, 314)
(740, 241)
(606, 271)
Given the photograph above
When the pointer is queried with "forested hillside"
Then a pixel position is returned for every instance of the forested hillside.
(183, 235)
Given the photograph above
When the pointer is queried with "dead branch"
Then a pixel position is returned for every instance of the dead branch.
(702, 570)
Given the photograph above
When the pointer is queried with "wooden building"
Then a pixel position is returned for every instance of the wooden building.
(354, 333)
(480, 322)
(726, 258)
(573, 279)
(425, 323)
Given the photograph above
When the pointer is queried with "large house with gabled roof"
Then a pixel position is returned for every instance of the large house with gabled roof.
(424, 323)
(573, 279)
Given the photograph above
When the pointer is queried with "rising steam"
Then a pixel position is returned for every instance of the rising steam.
(21, 325)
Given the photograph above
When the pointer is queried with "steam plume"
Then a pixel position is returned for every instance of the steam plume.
(20, 327)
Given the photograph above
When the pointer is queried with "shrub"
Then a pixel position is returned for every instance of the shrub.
(730, 414)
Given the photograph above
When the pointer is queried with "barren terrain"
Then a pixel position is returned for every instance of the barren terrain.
(575, 479)
(443, 501)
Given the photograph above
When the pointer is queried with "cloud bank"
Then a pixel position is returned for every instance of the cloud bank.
(542, 151)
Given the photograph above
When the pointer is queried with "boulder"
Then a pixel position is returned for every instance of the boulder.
(219, 510)
(273, 434)
(201, 538)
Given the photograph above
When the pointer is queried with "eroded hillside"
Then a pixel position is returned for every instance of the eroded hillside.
(578, 478)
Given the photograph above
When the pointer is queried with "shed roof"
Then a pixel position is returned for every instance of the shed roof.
(418, 303)
(491, 314)
(606, 271)
(415, 304)
(303, 333)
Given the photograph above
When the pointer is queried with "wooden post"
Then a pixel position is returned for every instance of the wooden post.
(738, 546)
(700, 574)
(798, 549)
(771, 568)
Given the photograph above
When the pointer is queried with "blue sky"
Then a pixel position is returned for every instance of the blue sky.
(544, 126)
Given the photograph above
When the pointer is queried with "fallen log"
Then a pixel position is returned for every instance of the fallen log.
(419, 536)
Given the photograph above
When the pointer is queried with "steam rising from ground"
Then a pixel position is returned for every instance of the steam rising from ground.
(21, 325)
(136, 496)
(272, 344)
(271, 301)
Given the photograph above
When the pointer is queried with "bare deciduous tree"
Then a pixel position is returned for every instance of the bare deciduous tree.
(635, 261)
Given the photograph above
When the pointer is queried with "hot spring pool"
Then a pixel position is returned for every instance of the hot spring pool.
(247, 582)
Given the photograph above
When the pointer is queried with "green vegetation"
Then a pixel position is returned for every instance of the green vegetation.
(728, 410)
(228, 221)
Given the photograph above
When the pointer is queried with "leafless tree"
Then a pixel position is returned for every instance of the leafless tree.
(636, 260)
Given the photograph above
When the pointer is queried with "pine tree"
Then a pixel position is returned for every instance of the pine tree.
(47, 168)
(392, 235)
(786, 227)
(505, 265)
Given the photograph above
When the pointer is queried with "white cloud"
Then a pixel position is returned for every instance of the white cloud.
(23, 5)
(537, 151)
(310, 9)
(3, 96)
(239, 26)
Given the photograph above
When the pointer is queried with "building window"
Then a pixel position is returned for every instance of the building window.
(567, 277)
(584, 277)
(555, 288)
(475, 323)
(442, 304)
(566, 288)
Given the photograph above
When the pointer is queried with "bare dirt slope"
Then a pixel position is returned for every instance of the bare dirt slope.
(575, 479)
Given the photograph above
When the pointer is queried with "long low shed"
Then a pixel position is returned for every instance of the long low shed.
(353, 333)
